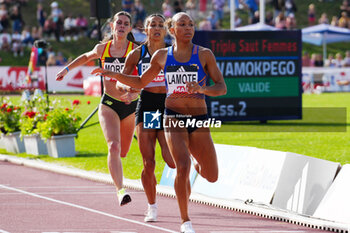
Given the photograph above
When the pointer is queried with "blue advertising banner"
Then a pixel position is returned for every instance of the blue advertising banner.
(262, 71)
(169, 174)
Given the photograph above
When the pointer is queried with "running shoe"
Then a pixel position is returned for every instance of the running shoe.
(186, 227)
(123, 197)
(151, 214)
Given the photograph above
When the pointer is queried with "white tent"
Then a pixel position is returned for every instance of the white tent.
(257, 27)
(324, 34)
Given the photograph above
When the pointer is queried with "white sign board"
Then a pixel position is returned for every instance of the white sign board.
(244, 173)
(335, 205)
(14, 78)
(303, 183)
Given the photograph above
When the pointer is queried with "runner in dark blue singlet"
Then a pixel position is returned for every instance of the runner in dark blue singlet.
(152, 99)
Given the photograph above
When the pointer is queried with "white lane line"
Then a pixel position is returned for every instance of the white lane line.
(260, 231)
(122, 232)
(86, 208)
(2, 231)
(64, 193)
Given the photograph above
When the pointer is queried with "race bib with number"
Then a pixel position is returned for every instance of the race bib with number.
(178, 76)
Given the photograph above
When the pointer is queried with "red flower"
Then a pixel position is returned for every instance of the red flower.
(88, 102)
(67, 109)
(45, 117)
(4, 105)
(31, 114)
(15, 108)
(9, 110)
(76, 102)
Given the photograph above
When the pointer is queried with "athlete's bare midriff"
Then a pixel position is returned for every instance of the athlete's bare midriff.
(190, 106)
(158, 90)
(111, 90)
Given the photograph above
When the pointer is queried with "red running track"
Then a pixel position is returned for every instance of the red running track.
(33, 200)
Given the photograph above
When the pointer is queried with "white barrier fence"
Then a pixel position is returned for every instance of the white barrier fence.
(335, 205)
(14, 78)
(325, 79)
(282, 180)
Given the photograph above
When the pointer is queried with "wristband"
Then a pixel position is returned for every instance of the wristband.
(67, 69)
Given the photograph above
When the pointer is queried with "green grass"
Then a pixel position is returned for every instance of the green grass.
(333, 146)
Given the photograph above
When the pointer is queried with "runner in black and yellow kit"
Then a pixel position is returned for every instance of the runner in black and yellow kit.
(117, 108)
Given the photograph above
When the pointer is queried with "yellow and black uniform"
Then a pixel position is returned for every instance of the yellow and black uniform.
(116, 64)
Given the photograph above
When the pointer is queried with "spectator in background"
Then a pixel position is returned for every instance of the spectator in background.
(269, 18)
(291, 22)
(278, 6)
(69, 26)
(191, 8)
(334, 21)
(323, 19)
(167, 9)
(205, 24)
(344, 20)
(40, 16)
(313, 59)
(178, 6)
(330, 61)
(311, 14)
(5, 41)
(26, 37)
(17, 47)
(290, 7)
(238, 21)
(4, 18)
(346, 61)
(60, 59)
(319, 60)
(306, 61)
(252, 8)
(57, 17)
(51, 60)
(82, 24)
(218, 6)
(345, 6)
(140, 12)
(17, 20)
(49, 27)
(128, 6)
(50, 51)
(138, 33)
(36, 33)
(280, 21)
(256, 17)
(338, 61)
(214, 22)
(93, 31)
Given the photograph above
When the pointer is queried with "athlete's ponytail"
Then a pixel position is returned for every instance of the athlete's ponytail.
(169, 24)
(130, 37)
